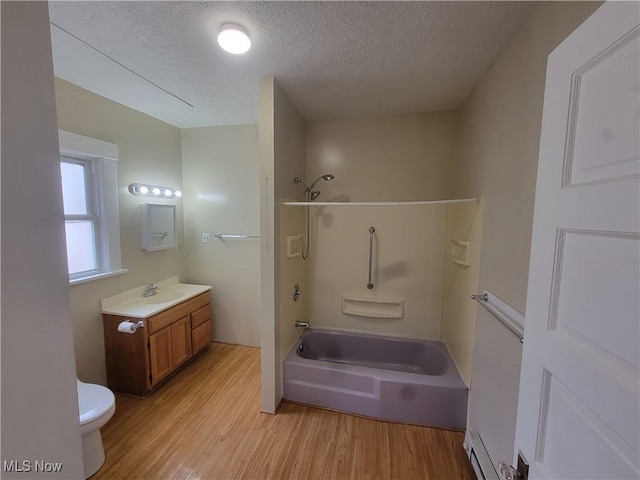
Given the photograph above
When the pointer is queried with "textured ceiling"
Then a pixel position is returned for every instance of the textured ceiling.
(334, 59)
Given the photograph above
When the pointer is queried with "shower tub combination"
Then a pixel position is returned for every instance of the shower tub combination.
(396, 379)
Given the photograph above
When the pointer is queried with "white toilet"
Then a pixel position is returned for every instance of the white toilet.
(97, 405)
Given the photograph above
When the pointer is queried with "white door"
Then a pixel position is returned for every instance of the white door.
(579, 409)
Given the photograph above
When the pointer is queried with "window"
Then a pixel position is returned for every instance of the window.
(80, 217)
(90, 196)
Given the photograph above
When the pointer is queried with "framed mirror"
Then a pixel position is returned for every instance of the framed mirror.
(158, 226)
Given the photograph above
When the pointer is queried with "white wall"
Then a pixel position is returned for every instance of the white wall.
(39, 397)
(221, 181)
(149, 152)
(381, 159)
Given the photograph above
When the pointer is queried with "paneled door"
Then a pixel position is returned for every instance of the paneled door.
(579, 409)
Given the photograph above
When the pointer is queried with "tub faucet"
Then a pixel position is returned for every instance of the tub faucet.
(151, 290)
(302, 324)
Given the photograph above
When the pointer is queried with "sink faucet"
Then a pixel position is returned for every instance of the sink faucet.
(151, 290)
(302, 324)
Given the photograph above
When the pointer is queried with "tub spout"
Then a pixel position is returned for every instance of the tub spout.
(302, 324)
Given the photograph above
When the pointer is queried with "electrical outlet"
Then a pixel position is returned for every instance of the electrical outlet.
(206, 238)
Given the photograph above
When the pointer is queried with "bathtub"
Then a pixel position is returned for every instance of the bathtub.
(396, 379)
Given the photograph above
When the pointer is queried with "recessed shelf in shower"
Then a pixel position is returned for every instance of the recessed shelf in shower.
(459, 252)
(294, 246)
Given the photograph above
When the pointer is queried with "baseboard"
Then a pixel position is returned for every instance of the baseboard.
(478, 456)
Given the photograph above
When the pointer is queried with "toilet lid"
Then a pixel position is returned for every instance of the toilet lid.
(93, 401)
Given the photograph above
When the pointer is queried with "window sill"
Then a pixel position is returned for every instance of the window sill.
(97, 277)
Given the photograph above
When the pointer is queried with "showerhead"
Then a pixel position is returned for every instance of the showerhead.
(313, 195)
(326, 177)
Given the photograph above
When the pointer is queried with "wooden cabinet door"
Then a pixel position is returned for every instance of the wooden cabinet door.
(180, 341)
(160, 355)
(201, 336)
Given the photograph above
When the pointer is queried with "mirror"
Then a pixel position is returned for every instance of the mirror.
(158, 226)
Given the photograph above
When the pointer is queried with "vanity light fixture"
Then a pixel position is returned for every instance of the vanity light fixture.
(144, 189)
(233, 38)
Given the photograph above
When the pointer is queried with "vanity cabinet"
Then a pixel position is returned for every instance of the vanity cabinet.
(138, 362)
(169, 348)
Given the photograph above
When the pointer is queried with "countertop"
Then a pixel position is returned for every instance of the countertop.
(133, 304)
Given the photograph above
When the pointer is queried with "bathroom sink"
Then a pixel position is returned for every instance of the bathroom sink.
(164, 297)
(134, 304)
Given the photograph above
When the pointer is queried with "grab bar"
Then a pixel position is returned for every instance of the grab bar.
(371, 231)
(222, 236)
(483, 299)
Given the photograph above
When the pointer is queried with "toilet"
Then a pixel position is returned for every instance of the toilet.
(97, 405)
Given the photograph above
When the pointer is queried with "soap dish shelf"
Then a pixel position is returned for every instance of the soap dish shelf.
(373, 307)
(459, 252)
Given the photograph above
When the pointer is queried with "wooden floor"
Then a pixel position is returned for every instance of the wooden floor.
(204, 423)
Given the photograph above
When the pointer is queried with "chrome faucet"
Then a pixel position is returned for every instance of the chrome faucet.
(302, 324)
(151, 290)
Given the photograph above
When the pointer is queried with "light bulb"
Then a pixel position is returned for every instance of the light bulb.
(167, 193)
(156, 191)
(144, 189)
(233, 38)
(178, 193)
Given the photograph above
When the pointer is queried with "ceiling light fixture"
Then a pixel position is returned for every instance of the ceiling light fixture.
(233, 38)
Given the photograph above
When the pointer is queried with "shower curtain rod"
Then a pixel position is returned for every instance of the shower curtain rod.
(380, 204)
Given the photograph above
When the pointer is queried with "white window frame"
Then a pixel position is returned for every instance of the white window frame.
(102, 158)
(94, 213)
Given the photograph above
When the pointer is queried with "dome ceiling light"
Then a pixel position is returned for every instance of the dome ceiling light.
(233, 38)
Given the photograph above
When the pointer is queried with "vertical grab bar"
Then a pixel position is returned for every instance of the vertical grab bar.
(371, 231)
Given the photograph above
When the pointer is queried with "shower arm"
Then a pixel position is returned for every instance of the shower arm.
(321, 177)
(299, 180)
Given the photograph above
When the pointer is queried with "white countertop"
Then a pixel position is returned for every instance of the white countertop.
(133, 304)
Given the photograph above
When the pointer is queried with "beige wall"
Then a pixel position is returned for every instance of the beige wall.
(39, 394)
(290, 162)
(282, 152)
(221, 176)
(499, 139)
(150, 152)
(381, 159)
(269, 341)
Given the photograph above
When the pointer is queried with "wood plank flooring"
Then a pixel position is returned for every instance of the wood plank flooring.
(204, 423)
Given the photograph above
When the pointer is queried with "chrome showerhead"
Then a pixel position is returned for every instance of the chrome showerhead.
(313, 194)
(326, 177)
